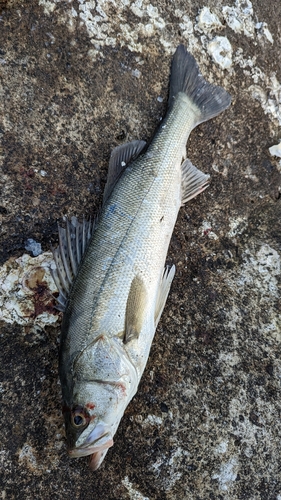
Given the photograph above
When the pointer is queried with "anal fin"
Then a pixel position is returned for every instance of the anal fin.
(163, 292)
(193, 181)
(135, 309)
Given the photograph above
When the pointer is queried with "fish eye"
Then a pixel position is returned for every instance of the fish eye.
(79, 418)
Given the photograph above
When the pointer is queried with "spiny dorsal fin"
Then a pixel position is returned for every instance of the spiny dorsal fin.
(119, 159)
(73, 241)
(135, 309)
(163, 292)
(193, 181)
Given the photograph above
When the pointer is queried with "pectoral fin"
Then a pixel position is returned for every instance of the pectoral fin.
(163, 292)
(193, 181)
(135, 309)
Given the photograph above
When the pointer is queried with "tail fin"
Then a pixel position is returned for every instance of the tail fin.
(186, 77)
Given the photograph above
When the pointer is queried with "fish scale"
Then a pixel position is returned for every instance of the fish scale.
(120, 289)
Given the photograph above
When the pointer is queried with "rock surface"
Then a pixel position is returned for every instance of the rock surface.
(77, 79)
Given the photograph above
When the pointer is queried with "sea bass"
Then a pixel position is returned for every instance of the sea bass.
(111, 275)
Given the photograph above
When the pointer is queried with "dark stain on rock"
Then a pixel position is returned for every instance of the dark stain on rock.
(41, 296)
(3, 5)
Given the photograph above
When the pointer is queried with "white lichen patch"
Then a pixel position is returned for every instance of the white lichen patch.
(223, 172)
(134, 494)
(48, 6)
(237, 225)
(239, 17)
(167, 466)
(276, 150)
(185, 24)
(221, 51)
(268, 95)
(109, 23)
(5, 458)
(262, 269)
(229, 359)
(250, 175)
(208, 21)
(153, 420)
(221, 448)
(26, 454)
(96, 16)
(247, 430)
(257, 281)
(28, 457)
(136, 73)
(263, 32)
(227, 474)
(6, 187)
(26, 288)
(206, 230)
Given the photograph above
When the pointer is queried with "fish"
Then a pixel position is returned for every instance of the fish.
(111, 275)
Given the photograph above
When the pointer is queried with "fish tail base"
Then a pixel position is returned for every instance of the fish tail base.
(186, 77)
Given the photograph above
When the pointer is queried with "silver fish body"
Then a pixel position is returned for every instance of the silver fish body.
(121, 287)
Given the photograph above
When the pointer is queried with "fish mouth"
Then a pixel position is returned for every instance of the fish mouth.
(90, 450)
(92, 446)
(97, 452)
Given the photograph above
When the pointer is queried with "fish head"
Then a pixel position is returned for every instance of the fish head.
(93, 418)
(87, 434)
(96, 401)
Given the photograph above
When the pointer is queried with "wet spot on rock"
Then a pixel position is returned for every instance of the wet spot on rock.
(3, 5)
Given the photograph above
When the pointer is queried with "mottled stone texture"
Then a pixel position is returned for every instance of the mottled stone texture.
(77, 79)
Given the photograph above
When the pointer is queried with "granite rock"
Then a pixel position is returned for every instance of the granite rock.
(77, 79)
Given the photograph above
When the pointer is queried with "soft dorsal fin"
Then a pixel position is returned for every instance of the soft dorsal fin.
(163, 292)
(135, 309)
(193, 181)
(73, 241)
(120, 157)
